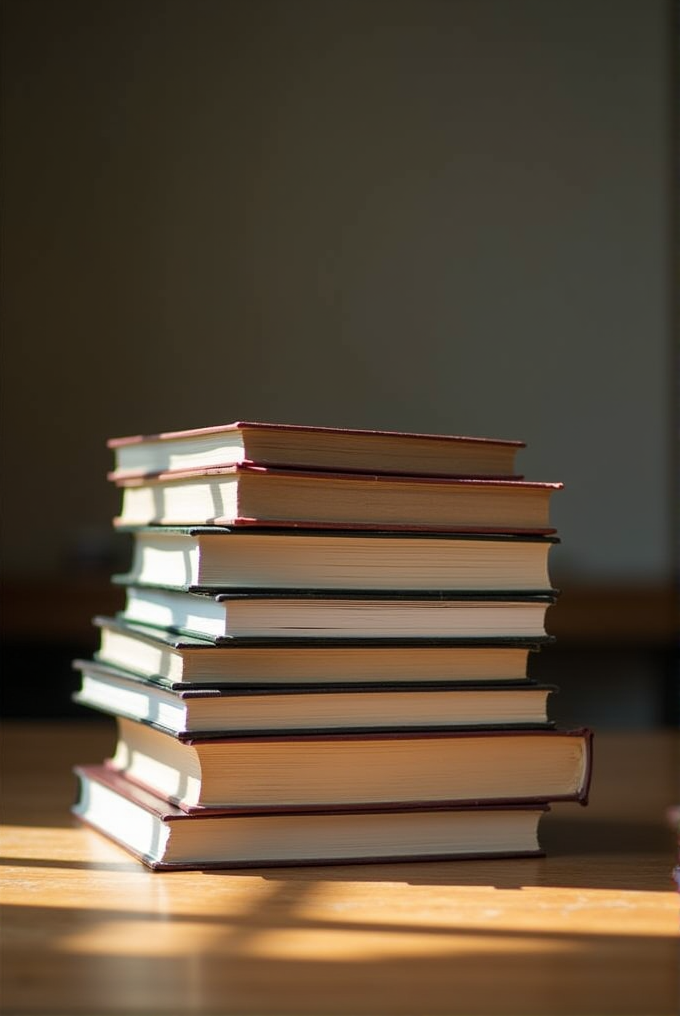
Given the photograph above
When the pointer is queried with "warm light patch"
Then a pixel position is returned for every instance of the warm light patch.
(528, 910)
(337, 945)
(140, 938)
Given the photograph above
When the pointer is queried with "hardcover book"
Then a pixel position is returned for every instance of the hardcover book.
(314, 448)
(182, 660)
(310, 709)
(165, 838)
(255, 495)
(339, 614)
(351, 770)
(214, 557)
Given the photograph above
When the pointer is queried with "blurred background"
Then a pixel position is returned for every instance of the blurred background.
(434, 215)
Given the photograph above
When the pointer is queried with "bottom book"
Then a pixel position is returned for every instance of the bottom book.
(165, 837)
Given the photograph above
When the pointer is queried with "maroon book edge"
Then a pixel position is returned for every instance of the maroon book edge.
(364, 527)
(159, 866)
(258, 468)
(167, 813)
(117, 442)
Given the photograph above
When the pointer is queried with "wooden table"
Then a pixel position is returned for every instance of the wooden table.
(591, 929)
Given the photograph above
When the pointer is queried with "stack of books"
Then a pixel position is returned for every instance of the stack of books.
(323, 655)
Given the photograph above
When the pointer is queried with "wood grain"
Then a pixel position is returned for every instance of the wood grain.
(591, 929)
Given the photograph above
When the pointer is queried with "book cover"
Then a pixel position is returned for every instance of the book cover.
(299, 446)
(169, 657)
(166, 838)
(284, 613)
(254, 496)
(354, 769)
(181, 641)
(218, 557)
(214, 712)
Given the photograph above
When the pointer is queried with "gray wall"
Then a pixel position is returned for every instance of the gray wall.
(413, 214)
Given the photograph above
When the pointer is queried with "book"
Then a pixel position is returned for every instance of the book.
(256, 495)
(350, 770)
(314, 448)
(182, 660)
(309, 709)
(165, 838)
(214, 557)
(312, 614)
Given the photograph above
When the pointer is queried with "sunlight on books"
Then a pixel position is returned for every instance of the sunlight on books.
(370, 757)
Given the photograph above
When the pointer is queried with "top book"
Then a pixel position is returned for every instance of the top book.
(306, 447)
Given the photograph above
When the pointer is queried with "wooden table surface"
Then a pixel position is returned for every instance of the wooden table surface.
(591, 929)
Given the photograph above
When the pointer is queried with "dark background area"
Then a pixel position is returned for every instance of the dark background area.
(449, 216)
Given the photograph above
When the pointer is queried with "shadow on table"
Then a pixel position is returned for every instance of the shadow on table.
(279, 957)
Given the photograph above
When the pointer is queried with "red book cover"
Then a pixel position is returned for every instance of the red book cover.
(246, 494)
(220, 838)
(303, 446)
